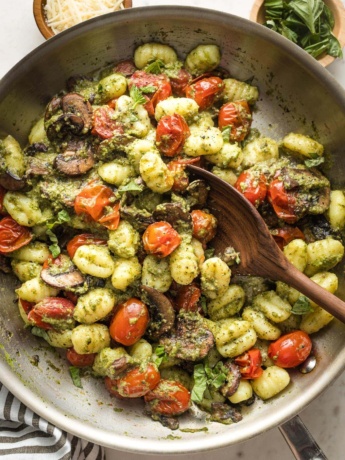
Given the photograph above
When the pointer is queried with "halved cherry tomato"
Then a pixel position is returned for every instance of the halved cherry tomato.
(285, 235)
(2, 196)
(110, 386)
(236, 115)
(282, 201)
(291, 349)
(180, 81)
(81, 240)
(204, 225)
(181, 179)
(79, 360)
(188, 297)
(160, 82)
(168, 398)
(205, 91)
(253, 188)
(250, 364)
(126, 68)
(95, 200)
(129, 322)
(26, 306)
(104, 123)
(171, 133)
(53, 313)
(161, 239)
(12, 235)
(135, 382)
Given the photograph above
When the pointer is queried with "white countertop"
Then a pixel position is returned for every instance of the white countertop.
(325, 417)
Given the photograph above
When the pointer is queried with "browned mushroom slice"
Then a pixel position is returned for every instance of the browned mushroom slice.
(162, 313)
(233, 378)
(11, 182)
(52, 108)
(197, 193)
(76, 160)
(140, 219)
(172, 213)
(62, 274)
(224, 413)
(78, 111)
(191, 341)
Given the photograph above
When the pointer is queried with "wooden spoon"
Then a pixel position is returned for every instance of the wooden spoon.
(241, 226)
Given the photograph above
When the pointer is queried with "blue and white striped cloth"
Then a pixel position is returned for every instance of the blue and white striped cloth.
(26, 436)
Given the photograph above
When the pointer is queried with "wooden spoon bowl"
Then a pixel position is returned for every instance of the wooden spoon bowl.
(241, 226)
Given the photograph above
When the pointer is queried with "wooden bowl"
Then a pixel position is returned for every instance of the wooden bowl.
(41, 20)
(257, 14)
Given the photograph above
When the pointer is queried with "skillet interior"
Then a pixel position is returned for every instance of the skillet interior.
(296, 94)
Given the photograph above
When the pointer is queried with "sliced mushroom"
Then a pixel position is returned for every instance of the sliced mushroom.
(191, 341)
(162, 312)
(77, 159)
(11, 182)
(62, 275)
(52, 108)
(223, 413)
(233, 379)
(172, 213)
(169, 422)
(37, 147)
(140, 219)
(197, 193)
(40, 165)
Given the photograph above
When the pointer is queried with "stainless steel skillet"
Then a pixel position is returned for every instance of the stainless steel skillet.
(296, 94)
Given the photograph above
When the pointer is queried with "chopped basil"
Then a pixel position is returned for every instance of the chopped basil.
(208, 253)
(314, 162)
(205, 376)
(161, 356)
(155, 67)
(200, 383)
(302, 306)
(53, 248)
(308, 23)
(137, 94)
(75, 374)
(63, 217)
(131, 186)
(226, 134)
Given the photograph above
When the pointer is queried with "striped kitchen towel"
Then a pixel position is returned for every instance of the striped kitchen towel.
(26, 436)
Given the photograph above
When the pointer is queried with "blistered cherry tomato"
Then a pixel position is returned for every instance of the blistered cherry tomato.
(285, 235)
(237, 116)
(283, 202)
(179, 82)
(79, 360)
(171, 133)
(188, 297)
(26, 306)
(111, 219)
(253, 188)
(177, 167)
(204, 225)
(52, 313)
(160, 239)
(205, 91)
(250, 364)
(291, 349)
(129, 322)
(104, 123)
(12, 235)
(135, 382)
(159, 83)
(168, 398)
(82, 240)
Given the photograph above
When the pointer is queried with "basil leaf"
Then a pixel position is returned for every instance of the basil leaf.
(155, 67)
(75, 374)
(226, 134)
(308, 10)
(39, 332)
(63, 217)
(289, 33)
(273, 9)
(317, 49)
(216, 375)
(161, 356)
(53, 248)
(200, 383)
(208, 253)
(132, 186)
(316, 162)
(328, 15)
(302, 306)
(334, 47)
(137, 96)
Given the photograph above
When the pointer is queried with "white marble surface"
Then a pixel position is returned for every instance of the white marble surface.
(325, 417)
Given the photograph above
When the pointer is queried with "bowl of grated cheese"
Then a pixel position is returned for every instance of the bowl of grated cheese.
(55, 16)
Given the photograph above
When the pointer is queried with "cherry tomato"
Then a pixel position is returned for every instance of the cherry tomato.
(238, 117)
(250, 364)
(291, 349)
(285, 235)
(135, 382)
(104, 123)
(282, 201)
(78, 360)
(179, 82)
(71, 296)
(161, 239)
(160, 82)
(188, 297)
(126, 68)
(95, 200)
(111, 387)
(53, 313)
(177, 167)
(26, 306)
(204, 225)
(2, 196)
(205, 91)
(81, 240)
(129, 322)
(168, 398)
(171, 133)
(12, 235)
(253, 188)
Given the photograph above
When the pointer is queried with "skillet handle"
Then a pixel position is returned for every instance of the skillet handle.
(300, 441)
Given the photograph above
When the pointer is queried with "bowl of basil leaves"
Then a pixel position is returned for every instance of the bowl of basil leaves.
(317, 26)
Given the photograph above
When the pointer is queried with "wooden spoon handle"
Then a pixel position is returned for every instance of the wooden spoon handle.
(313, 291)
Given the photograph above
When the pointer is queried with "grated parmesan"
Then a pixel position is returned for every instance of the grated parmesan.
(62, 14)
